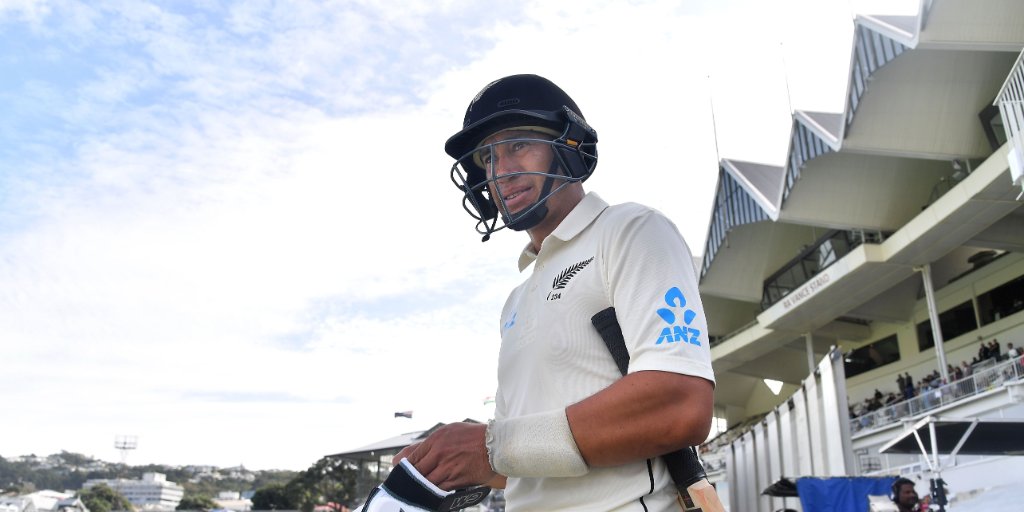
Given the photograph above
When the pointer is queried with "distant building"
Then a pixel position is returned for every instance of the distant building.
(239, 473)
(16, 504)
(72, 504)
(42, 501)
(153, 492)
(232, 500)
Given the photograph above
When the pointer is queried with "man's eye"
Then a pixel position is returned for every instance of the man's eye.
(519, 145)
(484, 157)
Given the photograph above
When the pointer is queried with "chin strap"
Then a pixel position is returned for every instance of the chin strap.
(538, 211)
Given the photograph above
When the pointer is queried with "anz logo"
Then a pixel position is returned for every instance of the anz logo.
(675, 332)
(511, 321)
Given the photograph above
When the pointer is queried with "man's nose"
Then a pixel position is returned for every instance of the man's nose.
(503, 162)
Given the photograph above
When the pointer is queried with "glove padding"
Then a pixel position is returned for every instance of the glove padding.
(406, 490)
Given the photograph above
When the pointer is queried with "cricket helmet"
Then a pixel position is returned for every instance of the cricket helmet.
(523, 102)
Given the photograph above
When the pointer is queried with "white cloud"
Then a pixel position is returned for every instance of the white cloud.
(236, 237)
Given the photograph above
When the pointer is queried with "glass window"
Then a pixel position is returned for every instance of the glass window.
(875, 355)
(992, 124)
(1001, 302)
(826, 254)
(953, 322)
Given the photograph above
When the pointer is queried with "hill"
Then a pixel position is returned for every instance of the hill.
(68, 471)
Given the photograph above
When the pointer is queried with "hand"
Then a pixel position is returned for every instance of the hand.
(453, 457)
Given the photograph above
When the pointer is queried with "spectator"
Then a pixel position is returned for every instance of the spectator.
(994, 349)
(926, 397)
(968, 386)
(904, 495)
(1011, 351)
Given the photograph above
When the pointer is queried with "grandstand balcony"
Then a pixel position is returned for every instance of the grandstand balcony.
(913, 156)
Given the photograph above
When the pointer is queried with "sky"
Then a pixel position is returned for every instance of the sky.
(228, 228)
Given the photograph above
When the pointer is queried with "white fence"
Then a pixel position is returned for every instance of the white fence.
(805, 435)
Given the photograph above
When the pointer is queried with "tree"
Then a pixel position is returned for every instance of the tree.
(328, 480)
(271, 497)
(200, 502)
(101, 498)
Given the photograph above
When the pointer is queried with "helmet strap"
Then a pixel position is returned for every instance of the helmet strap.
(537, 212)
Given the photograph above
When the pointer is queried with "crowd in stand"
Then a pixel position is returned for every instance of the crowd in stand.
(907, 389)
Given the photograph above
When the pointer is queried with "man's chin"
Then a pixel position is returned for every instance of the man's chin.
(520, 209)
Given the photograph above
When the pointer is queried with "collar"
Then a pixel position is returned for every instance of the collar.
(581, 216)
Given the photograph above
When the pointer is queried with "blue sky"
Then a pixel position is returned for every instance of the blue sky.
(228, 228)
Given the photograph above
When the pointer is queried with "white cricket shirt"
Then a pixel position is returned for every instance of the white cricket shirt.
(627, 256)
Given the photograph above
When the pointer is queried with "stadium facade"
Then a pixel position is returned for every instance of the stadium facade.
(890, 247)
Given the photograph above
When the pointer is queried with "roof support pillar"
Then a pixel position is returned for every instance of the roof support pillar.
(933, 315)
(809, 339)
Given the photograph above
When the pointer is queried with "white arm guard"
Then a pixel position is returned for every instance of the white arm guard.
(536, 445)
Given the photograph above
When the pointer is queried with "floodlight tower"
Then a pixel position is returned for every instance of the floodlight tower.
(125, 444)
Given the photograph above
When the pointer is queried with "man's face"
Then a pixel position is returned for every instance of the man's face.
(510, 152)
(907, 497)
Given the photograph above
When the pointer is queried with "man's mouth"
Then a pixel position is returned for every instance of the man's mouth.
(517, 199)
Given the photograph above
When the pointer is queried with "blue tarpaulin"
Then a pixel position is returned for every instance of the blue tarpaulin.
(840, 494)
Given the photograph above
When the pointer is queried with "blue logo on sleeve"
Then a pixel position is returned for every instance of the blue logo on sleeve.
(673, 333)
(511, 321)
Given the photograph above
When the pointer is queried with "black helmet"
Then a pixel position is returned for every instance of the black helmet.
(526, 102)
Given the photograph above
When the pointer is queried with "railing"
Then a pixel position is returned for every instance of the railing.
(930, 398)
(914, 468)
(949, 182)
(1011, 100)
(714, 462)
(812, 260)
(722, 339)
(1011, 106)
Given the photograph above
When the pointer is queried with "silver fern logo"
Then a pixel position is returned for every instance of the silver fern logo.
(563, 278)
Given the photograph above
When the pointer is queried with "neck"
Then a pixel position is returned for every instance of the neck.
(558, 210)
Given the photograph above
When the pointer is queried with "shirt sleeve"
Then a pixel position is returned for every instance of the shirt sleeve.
(652, 284)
